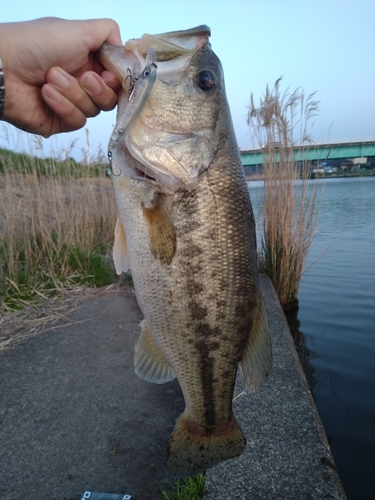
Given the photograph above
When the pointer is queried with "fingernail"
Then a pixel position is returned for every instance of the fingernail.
(52, 93)
(58, 79)
(91, 85)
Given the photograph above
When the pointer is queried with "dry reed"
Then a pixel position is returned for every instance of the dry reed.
(290, 200)
(51, 313)
(56, 218)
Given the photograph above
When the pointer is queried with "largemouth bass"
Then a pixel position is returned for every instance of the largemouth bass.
(186, 232)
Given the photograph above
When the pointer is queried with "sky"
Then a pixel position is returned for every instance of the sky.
(322, 46)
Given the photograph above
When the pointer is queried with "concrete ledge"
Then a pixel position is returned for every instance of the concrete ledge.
(75, 417)
(287, 454)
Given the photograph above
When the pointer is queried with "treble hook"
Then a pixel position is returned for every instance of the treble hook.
(133, 81)
(141, 88)
(109, 170)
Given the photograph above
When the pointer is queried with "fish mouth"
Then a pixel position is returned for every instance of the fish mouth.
(173, 46)
(136, 170)
(176, 48)
(174, 51)
(139, 174)
(162, 156)
(158, 155)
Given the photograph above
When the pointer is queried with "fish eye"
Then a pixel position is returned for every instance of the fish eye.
(205, 80)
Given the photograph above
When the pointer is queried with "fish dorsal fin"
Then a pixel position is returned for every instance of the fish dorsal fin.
(257, 359)
(120, 249)
(161, 232)
(149, 364)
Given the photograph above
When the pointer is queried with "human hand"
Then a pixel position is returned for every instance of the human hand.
(53, 79)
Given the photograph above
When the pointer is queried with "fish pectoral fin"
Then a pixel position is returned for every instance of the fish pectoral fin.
(192, 450)
(161, 232)
(257, 359)
(120, 248)
(149, 364)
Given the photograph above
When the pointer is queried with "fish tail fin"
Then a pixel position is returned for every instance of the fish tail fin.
(192, 450)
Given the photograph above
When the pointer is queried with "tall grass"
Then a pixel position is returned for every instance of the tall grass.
(290, 201)
(56, 223)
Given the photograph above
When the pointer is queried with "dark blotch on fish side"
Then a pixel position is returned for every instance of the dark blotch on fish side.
(204, 331)
(197, 311)
(191, 250)
(193, 286)
(207, 369)
(205, 344)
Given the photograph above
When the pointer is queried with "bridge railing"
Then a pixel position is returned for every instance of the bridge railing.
(317, 152)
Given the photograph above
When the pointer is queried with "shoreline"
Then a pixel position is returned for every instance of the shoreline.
(260, 177)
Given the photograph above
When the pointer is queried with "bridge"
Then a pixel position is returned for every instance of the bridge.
(318, 152)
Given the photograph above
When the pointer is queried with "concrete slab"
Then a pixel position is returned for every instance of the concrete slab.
(75, 417)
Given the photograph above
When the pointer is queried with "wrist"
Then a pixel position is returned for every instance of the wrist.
(3, 64)
(2, 90)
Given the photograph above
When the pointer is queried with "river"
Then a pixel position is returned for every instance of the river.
(334, 327)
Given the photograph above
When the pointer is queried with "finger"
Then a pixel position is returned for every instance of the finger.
(111, 80)
(99, 92)
(69, 87)
(70, 117)
(102, 30)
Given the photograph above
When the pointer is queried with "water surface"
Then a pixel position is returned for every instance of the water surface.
(334, 328)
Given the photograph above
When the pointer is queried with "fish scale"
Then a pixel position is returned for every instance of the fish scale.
(187, 232)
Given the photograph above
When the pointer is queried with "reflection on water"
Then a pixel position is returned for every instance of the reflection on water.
(334, 327)
(304, 353)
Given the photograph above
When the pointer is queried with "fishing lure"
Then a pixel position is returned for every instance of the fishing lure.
(139, 92)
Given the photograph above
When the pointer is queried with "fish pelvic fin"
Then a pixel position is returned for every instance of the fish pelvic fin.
(161, 232)
(256, 362)
(192, 450)
(149, 364)
(120, 249)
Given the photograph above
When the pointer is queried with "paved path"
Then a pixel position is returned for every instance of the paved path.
(75, 417)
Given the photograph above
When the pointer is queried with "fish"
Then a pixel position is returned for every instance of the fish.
(186, 232)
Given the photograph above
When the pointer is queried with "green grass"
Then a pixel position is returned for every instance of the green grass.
(27, 164)
(49, 277)
(56, 227)
(191, 488)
